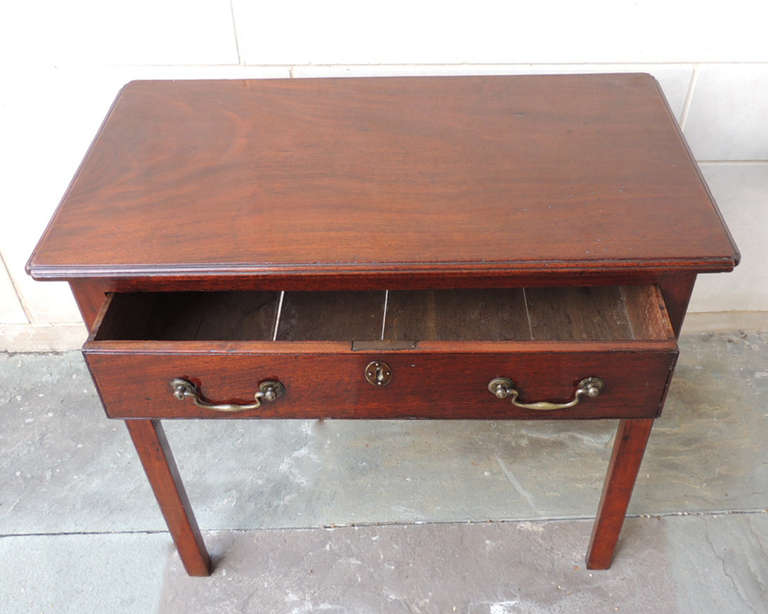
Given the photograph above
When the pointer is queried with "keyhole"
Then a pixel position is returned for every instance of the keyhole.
(378, 373)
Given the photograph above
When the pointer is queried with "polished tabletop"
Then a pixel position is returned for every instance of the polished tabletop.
(374, 176)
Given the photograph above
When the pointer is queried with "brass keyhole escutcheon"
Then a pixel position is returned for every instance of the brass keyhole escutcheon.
(378, 373)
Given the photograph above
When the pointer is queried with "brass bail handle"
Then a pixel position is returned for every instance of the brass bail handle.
(504, 388)
(269, 390)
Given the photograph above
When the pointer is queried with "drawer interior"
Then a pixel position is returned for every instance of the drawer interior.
(597, 313)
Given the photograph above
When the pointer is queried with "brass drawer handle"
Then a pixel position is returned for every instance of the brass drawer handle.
(269, 391)
(504, 388)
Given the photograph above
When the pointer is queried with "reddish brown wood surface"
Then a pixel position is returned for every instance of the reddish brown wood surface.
(628, 448)
(557, 314)
(468, 314)
(677, 290)
(156, 457)
(330, 315)
(90, 297)
(397, 183)
(426, 383)
(608, 276)
(457, 176)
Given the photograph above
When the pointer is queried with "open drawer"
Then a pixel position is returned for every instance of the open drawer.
(598, 352)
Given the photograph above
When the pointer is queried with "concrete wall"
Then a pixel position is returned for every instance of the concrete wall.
(64, 62)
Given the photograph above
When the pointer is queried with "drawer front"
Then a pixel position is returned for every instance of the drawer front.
(429, 382)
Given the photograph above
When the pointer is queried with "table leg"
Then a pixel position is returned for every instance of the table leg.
(628, 449)
(157, 459)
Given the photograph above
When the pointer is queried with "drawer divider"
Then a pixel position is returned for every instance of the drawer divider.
(278, 314)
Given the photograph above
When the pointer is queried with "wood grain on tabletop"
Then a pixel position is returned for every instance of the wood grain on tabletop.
(459, 176)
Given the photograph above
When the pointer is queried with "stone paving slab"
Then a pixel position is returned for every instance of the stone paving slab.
(82, 574)
(702, 564)
(708, 564)
(65, 467)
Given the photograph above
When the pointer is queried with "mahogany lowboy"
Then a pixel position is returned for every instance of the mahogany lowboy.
(453, 247)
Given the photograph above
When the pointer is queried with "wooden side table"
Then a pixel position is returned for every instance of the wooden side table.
(454, 247)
